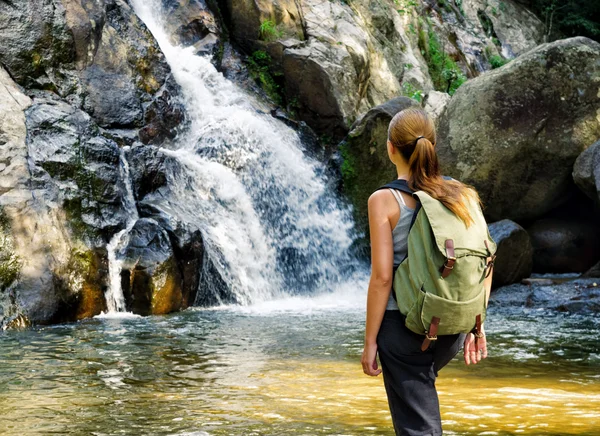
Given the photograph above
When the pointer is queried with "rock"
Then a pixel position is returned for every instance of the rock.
(575, 296)
(98, 56)
(586, 172)
(47, 273)
(365, 162)
(148, 172)
(247, 16)
(150, 271)
(78, 168)
(561, 246)
(163, 120)
(191, 22)
(593, 271)
(515, 27)
(541, 111)
(35, 37)
(514, 253)
(536, 281)
(434, 103)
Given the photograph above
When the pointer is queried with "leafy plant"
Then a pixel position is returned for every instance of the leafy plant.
(268, 31)
(411, 91)
(568, 17)
(497, 61)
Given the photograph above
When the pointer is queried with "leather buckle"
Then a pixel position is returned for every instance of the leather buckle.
(431, 338)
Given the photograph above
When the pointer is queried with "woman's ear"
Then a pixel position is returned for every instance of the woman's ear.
(390, 147)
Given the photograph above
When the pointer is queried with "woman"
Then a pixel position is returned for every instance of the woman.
(408, 373)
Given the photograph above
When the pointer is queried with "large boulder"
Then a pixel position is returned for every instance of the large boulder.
(586, 172)
(539, 111)
(365, 163)
(561, 246)
(514, 255)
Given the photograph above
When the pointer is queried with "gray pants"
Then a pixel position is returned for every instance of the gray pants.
(409, 375)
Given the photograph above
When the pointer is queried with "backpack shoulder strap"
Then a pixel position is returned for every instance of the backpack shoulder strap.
(399, 185)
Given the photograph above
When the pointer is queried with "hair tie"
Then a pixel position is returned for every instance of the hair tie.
(417, 140)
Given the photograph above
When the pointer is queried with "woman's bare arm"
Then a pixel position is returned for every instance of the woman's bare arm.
(380, 284)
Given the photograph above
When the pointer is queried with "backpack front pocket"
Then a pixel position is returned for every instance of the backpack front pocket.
(455, 316)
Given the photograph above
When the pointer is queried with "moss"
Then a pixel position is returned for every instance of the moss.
(260, 66)
(10, 262)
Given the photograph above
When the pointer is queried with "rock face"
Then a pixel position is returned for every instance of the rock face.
(514, 255)
(93, 76)
(586, 172)
(338, 59)
(366, 165)
(53, 261)
(539, 111)
(561, 246)
(97, 56)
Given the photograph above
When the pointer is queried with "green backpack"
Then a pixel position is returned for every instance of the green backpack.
(439, 285)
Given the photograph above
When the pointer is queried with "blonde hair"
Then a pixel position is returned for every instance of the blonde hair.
(412, 133)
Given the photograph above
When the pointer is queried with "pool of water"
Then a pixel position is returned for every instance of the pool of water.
(287, 367)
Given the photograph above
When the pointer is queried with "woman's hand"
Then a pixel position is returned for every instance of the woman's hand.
(472, 353)
(369, 360)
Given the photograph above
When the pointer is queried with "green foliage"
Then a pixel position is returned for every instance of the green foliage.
(411, 91)
(268, 31)
(568, 17)
(405, 6)
(497, 61)
(445, 73)
(502, 6)
(260, 68)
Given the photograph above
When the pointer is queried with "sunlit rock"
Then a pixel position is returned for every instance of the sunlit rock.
(515, 132)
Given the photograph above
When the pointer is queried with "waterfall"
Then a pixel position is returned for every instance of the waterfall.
(115, 301)
(271, 226)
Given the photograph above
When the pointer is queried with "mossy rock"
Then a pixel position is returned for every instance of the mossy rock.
(365, 162)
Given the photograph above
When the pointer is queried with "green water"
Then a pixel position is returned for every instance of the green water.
(272, 371)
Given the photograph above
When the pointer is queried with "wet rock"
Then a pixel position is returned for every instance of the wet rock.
(586, 172)
(540, 111)
(148, 172)
(514, 254)
(154, 280)
(365, 162)
(191, 22)
(35, 37)
(575, 296)
(163, 119)
(78, 168)
(561, 246)
(593, 271)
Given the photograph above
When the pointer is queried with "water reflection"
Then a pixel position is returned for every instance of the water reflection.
(241, 372)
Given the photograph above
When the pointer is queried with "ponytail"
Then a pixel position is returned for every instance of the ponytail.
(412, 132)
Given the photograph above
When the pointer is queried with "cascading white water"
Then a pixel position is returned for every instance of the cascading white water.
(115, 301)
(270, 225)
